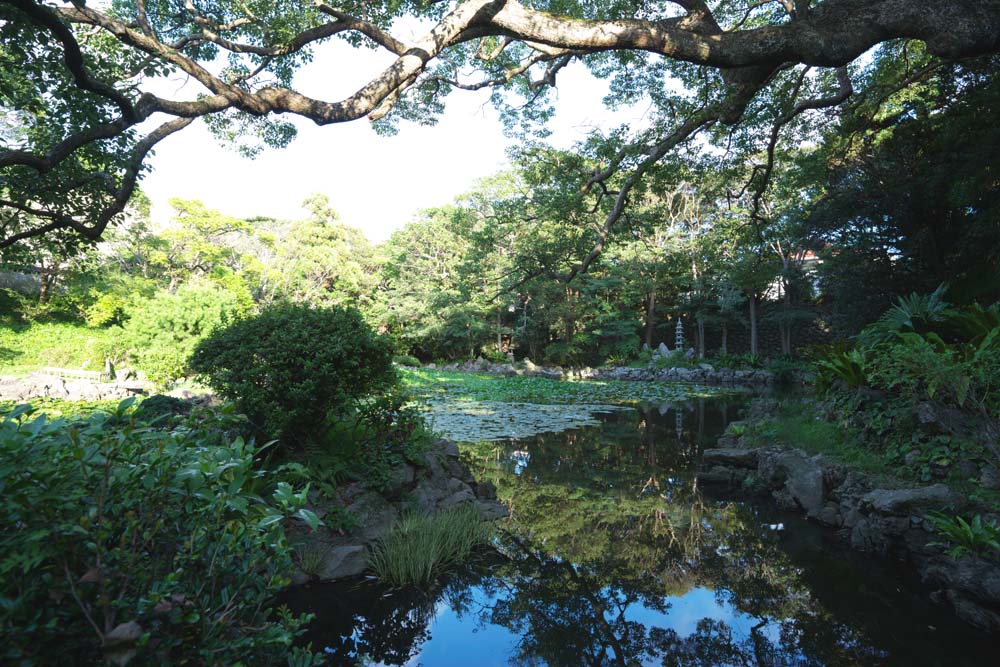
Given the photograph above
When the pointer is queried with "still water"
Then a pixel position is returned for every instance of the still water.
(613, 555)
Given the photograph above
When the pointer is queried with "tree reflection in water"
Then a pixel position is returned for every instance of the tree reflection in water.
(614, 557)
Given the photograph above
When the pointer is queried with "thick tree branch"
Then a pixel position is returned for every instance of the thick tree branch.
(845, 90)
(119, 200)
(72, 56)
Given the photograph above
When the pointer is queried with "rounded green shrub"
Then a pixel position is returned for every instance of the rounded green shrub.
(289, 366)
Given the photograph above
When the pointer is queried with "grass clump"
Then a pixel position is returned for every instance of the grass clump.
(798, 423)
(420, 547)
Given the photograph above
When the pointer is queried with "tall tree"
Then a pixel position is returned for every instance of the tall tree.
(79, 79)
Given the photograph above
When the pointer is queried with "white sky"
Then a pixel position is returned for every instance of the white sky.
(375, 183)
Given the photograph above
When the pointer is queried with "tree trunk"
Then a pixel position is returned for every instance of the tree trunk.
(499, 333)
(786, 301)
(46, 278)
(701, 336)
(753, 324)
(650, 318)
(570, 318)
(724, 349)
(43, 289)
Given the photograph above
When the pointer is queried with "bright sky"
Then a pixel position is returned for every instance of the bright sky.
(375, 183)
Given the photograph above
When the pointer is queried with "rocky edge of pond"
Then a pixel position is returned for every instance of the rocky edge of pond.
(42, 385)
(888, 522)
(441, 482)
(704, 373)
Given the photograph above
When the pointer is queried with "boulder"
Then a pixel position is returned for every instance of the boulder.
(426, 496)
(432, 465)
(448, 448)
(830, 515)
(973, 613)
(877, 534)
(798, 475)
(718, 475)
(733, 457)
(374, 514)
(343, 562)
(806, 485)
(459, 497)
(990, 478)
(486, 491)
(491, 510)
(663, 350)
(907, 501)
(401, 479)
(459, 470)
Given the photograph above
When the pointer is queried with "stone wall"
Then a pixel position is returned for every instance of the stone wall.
(804, 334)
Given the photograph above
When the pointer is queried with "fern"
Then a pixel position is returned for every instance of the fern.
(910, 313)
(851, 367)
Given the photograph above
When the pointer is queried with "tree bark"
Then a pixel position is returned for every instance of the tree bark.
(701, 335)
(650, 317)
(44, 285)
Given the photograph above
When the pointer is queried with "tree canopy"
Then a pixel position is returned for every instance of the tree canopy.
(80, 110)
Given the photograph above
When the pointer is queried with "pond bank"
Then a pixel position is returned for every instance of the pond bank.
(441, 482)
(704, 373)
(41, 385)
(873, 517)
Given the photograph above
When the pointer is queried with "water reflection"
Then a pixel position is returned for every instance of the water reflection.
(613, 556)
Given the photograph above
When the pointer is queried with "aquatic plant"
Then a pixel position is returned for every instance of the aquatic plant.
(479, 421)
(419, 546)
(427, 384)
(967, 537)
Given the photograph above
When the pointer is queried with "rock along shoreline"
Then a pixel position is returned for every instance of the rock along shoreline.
(441, 482)
(886, 522)
(702, 374)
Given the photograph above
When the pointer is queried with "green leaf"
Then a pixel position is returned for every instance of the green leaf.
(309, 517)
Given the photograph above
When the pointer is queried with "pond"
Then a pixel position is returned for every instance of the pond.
(613, 555)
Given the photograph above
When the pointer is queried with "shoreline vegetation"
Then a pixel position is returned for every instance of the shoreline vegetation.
(348, 461)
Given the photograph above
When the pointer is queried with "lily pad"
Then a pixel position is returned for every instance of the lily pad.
(481, 421)
(429, 384)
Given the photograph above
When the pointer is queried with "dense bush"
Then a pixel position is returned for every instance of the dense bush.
(922, 384)
(159, 407)
(163, 331)
(924, 349)
(140, 545)
(406, 360)
(291, 365)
